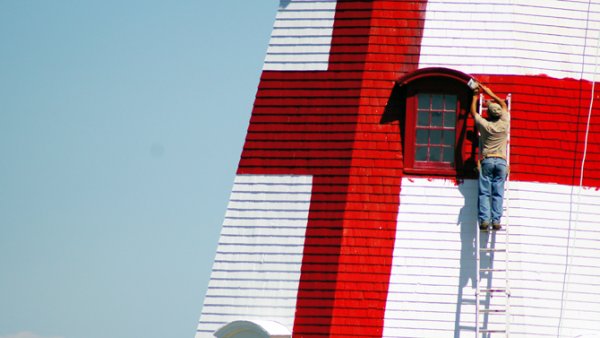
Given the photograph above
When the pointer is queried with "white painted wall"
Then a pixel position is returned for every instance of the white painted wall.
(520, 37)
(554, 260)
(301, 37)
(257, 266)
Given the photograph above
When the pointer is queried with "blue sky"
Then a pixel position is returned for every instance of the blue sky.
(121, 126)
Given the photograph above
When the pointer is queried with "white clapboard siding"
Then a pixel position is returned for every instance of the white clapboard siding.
(301, 37)
(520, 37)
(554, 260)
(257, 266)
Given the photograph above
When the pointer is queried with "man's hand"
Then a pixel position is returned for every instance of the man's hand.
(474, 101)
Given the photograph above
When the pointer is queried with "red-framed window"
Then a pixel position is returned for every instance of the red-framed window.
(435, 127)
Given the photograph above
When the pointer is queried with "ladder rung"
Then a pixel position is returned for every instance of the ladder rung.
(463, 327)
(491, 331)
(492, 250)
(493, 311)
(493, 290)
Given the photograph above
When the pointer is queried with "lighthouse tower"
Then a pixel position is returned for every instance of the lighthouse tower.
(353, 212)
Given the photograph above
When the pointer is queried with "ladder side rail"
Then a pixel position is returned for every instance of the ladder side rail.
(507, 227)
(478, 241)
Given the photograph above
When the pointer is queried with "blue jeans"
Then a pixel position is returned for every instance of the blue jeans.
(491, 189)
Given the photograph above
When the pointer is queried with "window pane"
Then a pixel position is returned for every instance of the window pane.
(450, 103)
(449, 154)
(436, 119)
(423, 101)
(449, 119)
(437, 102)
(422, 136)
(435, 154)
(436, 136)
(421, 154)
(423, 119)
(448, 138)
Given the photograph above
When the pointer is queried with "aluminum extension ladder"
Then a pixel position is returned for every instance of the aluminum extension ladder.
(492, 295)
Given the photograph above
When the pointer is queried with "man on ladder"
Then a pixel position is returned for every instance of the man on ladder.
(493, 168)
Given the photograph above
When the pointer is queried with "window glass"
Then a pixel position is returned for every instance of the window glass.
(423, 101)
(422, 136)
(435, 128)
(449, 154)
(436, 136)
(450, 119)
(450, 102)
(435, 154)
(423, 119)
(448, 138)
(437, 102)
(421, 154)
(436, 119)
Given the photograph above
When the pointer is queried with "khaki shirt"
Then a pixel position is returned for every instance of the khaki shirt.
(493, 135)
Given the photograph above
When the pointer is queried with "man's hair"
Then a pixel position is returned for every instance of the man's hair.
(494, 110)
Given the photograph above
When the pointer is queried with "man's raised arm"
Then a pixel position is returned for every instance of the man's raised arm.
(474, 103)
